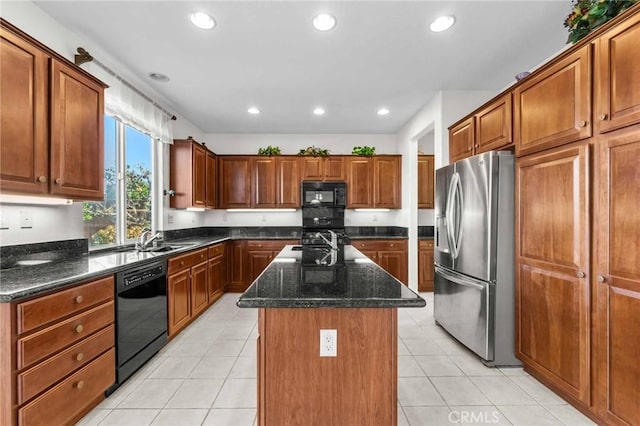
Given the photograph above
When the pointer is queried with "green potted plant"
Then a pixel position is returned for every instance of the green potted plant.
(313, 151)
(588, 15)
(269, 150)
(367, 151)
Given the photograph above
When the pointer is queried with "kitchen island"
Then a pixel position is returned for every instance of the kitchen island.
(306, 290)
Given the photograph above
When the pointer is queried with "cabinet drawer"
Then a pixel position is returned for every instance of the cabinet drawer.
(37, 346)
(216, 250)
(69, 398)
(43, 310)
(264, 245)
(379, 244)
(185, 261)
(425, 244)
(43, 375)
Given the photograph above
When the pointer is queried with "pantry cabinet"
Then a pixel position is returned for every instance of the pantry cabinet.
(58, 354)
(52, 122)
(374, 182)
(192, 175)
(426, 176)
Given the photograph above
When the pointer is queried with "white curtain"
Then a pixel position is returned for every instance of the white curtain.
(131, 108)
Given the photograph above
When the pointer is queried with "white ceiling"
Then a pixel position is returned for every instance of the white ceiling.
(267, 54)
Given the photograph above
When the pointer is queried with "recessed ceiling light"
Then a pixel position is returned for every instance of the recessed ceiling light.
(202, 20)
(156, 76)
(319, 111)
(253, 110)
(383, 111)
(442, 23)
(324, 22)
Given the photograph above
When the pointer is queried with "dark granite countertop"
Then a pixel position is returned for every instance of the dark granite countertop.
(26, 281)
(294, 280)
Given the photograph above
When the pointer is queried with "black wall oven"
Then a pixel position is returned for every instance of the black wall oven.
(141, 317)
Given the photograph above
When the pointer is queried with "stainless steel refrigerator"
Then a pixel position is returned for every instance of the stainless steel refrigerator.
(474, 245)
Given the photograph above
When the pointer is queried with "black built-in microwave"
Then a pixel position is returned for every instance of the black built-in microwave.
(324, 194)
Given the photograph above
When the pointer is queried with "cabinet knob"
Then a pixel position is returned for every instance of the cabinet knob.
(79, 328)
(260, 245)
(80, 356)
(602, 117)
(477, 146)
(80, 384)
(601, 278)
(391, 245)
(58, 181)
(182, 263)
(583, 123)
(581, 274)
(79, 299)
(470, 148)
(42, 179)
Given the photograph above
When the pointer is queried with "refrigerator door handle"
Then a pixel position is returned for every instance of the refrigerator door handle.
(451, 211)
(458, 202)
(460, 279)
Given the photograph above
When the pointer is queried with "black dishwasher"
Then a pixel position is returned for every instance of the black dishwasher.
(141, 317)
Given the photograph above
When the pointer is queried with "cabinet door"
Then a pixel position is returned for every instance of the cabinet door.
(312, 168)
(461, 140)
(425, 266)
(215, 278)
(77, 134)
(359, 182)
(394, 262)
(617, 282)
(263, 187)
(258, 260)
(199, 178)
(618, 79)
(426, 174)
(334, 168)
(24, 151)
(493, 126)
(211, 181)
(552, 267)
(235, 182)
(237, 265)
(199, 288)
(387, 178)
(288, 182)
(179, 301)
(554, 107)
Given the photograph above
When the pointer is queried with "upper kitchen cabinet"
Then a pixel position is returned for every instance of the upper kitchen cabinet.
(51, 125)
(426, 174)
(192, 175)
(374, 182)
(288, 182)
(328, 168)
(493, 125)
(263, 182)
(553, 107)
(461, 139)
(618, 76)
(235, 181)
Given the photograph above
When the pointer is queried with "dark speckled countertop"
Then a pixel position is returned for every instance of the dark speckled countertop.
(293, 280)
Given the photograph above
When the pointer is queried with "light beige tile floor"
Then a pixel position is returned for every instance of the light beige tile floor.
(207, 376)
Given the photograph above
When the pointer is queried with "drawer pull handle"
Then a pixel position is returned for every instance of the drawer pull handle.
(602, 117)
(80, 384)
(42, 179)
(79, 328)
(79, 299)
(80, 356)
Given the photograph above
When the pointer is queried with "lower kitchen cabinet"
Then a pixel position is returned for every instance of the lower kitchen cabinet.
(391, 255)
(58, 354)
(249, 258)
(217, 275)
(426, 269)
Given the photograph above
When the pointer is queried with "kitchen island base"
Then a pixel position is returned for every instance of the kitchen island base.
(298, 387)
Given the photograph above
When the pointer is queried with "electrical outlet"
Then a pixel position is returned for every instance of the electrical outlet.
(26, 220)
(169, 218)
(328, 343)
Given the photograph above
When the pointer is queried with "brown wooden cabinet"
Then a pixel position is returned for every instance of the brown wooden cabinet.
(618, 76)
(263, 185)
(179, 300)
(217, 275)
(234, 185)
(51, 132)
(461, 139)
(426, 177)
(616, 277)
(552, 276)
(249, 258)
(374, 182)
(288, 182)
(328, 168)
(391, 255)
(192, 175)
(58, 354)
(187, 288)
(553, 107)
(199, 287)
(426, 271)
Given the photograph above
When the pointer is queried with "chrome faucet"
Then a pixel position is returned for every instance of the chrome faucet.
(144, 240)
(334, 239)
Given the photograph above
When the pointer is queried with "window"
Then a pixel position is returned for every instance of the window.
(128, 187)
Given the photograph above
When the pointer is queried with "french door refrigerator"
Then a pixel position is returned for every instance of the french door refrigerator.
(474, 249)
